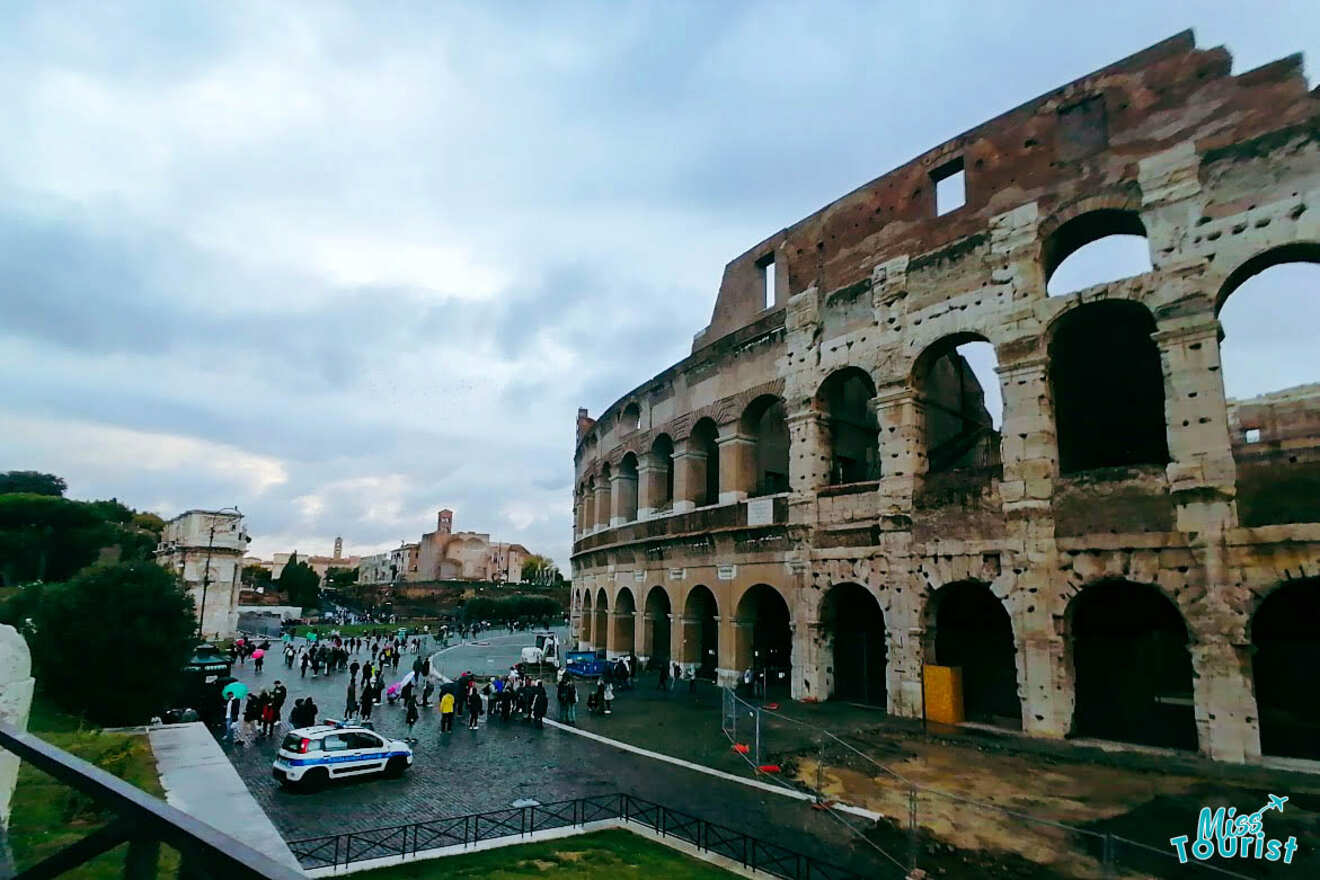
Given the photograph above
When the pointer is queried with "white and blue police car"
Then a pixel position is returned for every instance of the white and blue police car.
(310, 757)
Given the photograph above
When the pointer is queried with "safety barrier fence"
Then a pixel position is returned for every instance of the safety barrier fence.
(921, 817)
(511, 825)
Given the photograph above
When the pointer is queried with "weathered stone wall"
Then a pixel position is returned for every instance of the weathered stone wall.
(1221, 173)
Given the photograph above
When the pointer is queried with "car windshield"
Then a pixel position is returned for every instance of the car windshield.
(292, 743)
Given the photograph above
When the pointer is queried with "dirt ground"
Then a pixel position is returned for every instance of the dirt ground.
(1130, 796)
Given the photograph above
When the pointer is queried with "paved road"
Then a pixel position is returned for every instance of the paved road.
(490, 768)
(488, 654)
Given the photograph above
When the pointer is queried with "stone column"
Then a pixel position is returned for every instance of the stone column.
(641, 639)
(16, 686)
(904, 655)
(902, 444)
(813, 655)
(1202, 473)
(809, 452)
(603, 504)
(651, 479)
(685, 635)
(737, 468)
(1227, 725)
(588, 512)
(689, 475)
(1029, 444)
(675, 640)
(1047, 698)
(735, 649)
(623, 499)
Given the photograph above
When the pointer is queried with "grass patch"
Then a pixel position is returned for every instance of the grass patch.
(48, 816)
(602, 855)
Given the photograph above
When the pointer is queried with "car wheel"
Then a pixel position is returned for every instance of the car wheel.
(395, 767)
(315, 780)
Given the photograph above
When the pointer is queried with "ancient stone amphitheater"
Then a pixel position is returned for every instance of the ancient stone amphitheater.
(820, 492)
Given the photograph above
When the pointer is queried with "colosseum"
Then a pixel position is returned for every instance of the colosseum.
(823, 491)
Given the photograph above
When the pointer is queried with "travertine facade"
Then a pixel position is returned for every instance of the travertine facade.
(206, 549)
(816, 488)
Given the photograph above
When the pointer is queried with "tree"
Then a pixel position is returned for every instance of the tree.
(300, 584)
(111, 643)
(32, 483)
(48, 538)
(255, 577)
(538, 569)
(149, 522)
(340, 578)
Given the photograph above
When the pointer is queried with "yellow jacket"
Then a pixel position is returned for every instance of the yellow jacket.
(447, 704)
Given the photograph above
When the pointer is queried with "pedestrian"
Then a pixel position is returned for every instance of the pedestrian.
(447, 712)
(258, 663)
(279, 694)
(350, 702)
(233, 710)
(607, 696)
(663, 683)
(296, 714)
(427, 690)
(304, 663)
(675, 677)
(268, 716)
(473, 706)
(252, 715)
(572, 698)
(410, 715)
(539, 704)
(311, 709)
(288, 656)
(353, 671)
(366, 703)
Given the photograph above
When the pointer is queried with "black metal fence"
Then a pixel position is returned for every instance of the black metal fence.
(513, 823)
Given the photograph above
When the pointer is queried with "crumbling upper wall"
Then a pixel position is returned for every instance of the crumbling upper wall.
(1082, 141)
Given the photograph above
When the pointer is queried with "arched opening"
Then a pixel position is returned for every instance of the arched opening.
(1268, 369)
(657, 626)
(662, 460)
(589, 507)
(705, 441)
(1107, 387)
(765, 422)
(600, 626)
(763, 635)
(1286, 654)
(604, 495)
(624, 609)
(961, 404)
(854, 626)
(700, 631)
(845, 397)
(585, 620)
(1131, 666)
(630, 419)
(972, 630)
(1095, 248)
(626, 484)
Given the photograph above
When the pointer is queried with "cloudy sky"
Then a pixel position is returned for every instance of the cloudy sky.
(342, 265)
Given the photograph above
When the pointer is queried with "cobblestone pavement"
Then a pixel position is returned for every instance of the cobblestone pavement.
(487, 769)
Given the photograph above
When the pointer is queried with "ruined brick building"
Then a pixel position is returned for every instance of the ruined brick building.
(819, 489)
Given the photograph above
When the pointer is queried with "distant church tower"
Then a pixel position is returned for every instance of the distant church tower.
(339, 548)
(445, 522)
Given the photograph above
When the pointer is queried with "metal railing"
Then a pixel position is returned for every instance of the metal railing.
(763, 736)
(514, 823)
(141, 821)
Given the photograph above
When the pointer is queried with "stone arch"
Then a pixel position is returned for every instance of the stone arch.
(622, 627)
(587, 619)
(1107, 387)
(626, 486)
(959, 429)
(968, 626)
(763, 638)
(1085, 229)
(764, 422)
(589, 505)
(1294, 252)
(655, 637)
(1132, 665)
(700, 644)
(601, 622)
(1285, 644)
(854, 644)
(704, 440)
(661, 459)
(850, 423)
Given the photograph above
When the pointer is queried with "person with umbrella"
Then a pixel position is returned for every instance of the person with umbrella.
(233, 693)
(258, 657)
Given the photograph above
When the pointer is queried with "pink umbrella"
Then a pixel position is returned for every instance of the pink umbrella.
(258, 654)
(238, 641)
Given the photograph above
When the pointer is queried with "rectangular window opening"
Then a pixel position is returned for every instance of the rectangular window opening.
(1252, 435)
(950, 186)
(767, 266)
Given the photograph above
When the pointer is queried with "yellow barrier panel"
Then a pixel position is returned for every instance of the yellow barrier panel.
(944, 694)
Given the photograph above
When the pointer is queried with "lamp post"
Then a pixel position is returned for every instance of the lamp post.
(206, 573)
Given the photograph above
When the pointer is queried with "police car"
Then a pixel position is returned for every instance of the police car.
(312, 756)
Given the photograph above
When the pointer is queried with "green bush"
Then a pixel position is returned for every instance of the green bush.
(111, 644)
